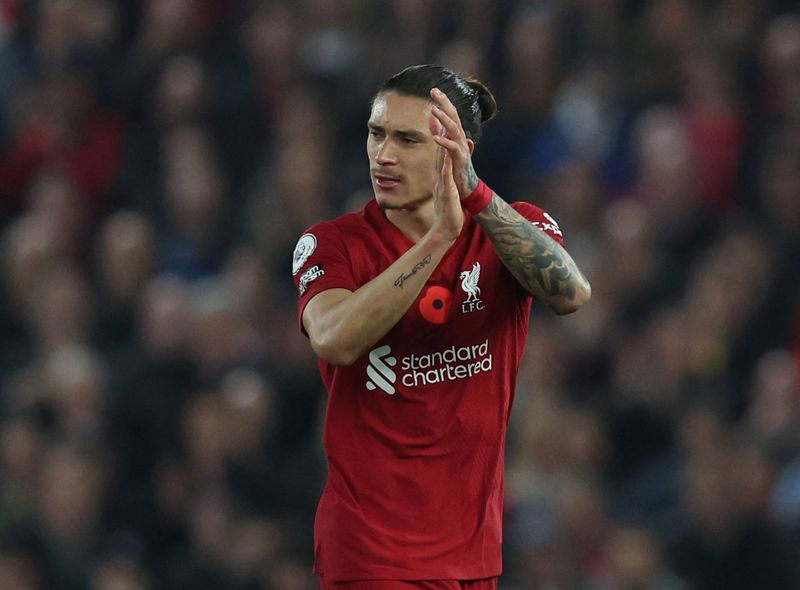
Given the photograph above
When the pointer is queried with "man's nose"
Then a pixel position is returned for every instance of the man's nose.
(385, 154)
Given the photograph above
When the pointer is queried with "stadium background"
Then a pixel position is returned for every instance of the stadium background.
(159, 412)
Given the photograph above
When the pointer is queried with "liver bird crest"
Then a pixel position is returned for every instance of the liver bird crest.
(469, 282)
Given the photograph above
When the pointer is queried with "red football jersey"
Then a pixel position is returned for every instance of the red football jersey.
(415, 429)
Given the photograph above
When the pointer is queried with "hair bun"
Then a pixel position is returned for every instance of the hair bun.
(486, 100)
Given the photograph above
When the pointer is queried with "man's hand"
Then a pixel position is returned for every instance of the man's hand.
(455, 141)
(537, 261)
(449, 215)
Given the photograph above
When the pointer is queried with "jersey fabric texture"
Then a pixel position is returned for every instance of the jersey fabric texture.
(415, 429)
(490, 584)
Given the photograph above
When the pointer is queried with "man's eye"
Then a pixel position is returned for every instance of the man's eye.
(373, 133)
(408, 140)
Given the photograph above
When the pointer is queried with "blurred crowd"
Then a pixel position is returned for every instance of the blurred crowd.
(159, 411)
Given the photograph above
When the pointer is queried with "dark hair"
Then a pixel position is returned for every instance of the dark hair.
(474, 102)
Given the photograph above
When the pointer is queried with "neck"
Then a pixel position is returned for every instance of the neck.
(413, 221)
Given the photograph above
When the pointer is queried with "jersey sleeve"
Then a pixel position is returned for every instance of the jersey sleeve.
(541, 219)
(320, 262)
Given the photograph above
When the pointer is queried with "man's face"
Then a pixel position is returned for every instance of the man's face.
(402, 153)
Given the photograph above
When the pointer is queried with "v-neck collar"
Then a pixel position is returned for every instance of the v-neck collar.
(377, 216)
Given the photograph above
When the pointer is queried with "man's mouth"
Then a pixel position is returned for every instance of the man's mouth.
(385, 181)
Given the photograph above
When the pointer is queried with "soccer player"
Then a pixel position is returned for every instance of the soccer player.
(418, 307)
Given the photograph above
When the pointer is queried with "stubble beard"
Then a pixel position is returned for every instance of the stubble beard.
(407, 206)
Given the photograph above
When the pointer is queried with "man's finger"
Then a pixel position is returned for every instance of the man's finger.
(447, 166)
(435, 125)
(443, 102)
(453, 128)
(451, 146)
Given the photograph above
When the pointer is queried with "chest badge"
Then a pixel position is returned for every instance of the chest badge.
(435, 304)
(469, 283)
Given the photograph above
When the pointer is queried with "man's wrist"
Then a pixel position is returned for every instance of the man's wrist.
(478, 199)
(440, 239)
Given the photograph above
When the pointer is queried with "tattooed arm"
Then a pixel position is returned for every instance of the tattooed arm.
(541, 265)
(342, 325)
(538, 262)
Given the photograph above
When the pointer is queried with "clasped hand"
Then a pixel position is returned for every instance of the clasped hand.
(455, 177)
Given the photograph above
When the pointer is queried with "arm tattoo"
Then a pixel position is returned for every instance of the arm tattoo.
(537, 261)
(470, 178)
(418, 266)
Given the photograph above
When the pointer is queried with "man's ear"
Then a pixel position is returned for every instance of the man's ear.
(470, 145)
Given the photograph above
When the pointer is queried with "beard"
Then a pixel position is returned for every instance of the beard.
(412, 205)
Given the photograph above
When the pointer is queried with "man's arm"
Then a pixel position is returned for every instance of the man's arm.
(342, 325)
(541, 265)
(537, 261)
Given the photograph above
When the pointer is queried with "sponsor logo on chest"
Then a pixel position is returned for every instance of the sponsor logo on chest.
(384, 372)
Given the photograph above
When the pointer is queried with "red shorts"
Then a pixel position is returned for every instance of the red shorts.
(487, 584)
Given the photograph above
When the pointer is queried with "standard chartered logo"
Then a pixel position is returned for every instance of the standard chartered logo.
(450, 364)
(379, 372)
